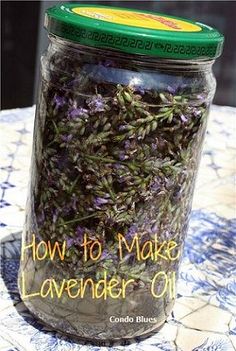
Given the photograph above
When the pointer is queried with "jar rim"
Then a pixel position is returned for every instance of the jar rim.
(137, 59)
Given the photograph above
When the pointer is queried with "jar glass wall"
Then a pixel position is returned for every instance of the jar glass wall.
(117, 142)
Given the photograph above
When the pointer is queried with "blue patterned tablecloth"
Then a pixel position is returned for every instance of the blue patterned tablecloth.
(204, 316)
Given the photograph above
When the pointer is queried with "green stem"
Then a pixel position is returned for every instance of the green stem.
(104, 159)
(97, 158)
(79, 219)
(74, 183)
(55, 126)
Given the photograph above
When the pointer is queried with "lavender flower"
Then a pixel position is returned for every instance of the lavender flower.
(59, 101)
(69, 242)
(41, 217)
(177, 193)
(77, 112)
(156, 185)
(122, 127)
(176, 88)
(201, 98)
(122, 156)
(79, 234)
(96, 104)
(196, 112)
(133, 229)
(77, 239)
(154, 146)
(183, 118)
(154, 229)
(172, 89)
(105, 254)
(55, 215)
(139, 90)
(127, 144)
(66, 210)
(67, 138)
(99, 201)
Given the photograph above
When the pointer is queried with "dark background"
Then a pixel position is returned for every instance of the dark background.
(24, 39)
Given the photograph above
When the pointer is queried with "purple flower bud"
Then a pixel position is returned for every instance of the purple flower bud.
(156, 185)
(99, 201)
(177, 193)
(59, 101)
(61, 162)
(77, 112)
(196, 112)
(131, 232)
(69, 242)
(41, 217)
(168, 184)
(139, 90)
(168, 235)
(105, 254)
(175, 88)
(154, 146)
(153, 229)
(96, 104)
(171, 89)
(127, 144)
(55, 215)
(67, 138)
(183, 86)
(122, 155)
(117, 165)
(121, 180)
(66, 210)
(201, 97)
(122, 127)
(183, 118)
(79, 232)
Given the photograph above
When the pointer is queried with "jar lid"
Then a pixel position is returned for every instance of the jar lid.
(134, 31)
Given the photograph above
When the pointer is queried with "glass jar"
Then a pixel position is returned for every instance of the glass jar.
(117, 142)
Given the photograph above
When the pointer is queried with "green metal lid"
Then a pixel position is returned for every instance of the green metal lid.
(133, 31)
